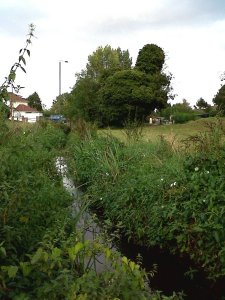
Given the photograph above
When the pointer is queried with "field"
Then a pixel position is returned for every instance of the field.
(172, 132)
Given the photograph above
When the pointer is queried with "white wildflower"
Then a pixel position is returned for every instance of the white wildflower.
(24, 132)
(107, 174)
(173, 184)
(101, 198)
(207, 172)
(161, 179)
(196, 169)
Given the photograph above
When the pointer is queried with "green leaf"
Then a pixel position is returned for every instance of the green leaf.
(37, 256)
(26, 268)
(12, 270)
(56, 252)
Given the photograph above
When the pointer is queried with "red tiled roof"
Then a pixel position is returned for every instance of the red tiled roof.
(16, 98)
(22, 107)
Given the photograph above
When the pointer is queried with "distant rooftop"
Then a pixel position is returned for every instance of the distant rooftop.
(16, 98)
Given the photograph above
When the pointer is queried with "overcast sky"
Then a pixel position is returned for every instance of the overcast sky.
(191, 32)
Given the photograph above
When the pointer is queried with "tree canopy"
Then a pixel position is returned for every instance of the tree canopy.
(219, 99)
(150, 59)
(202, 104)
(110, 90)
(35, 101)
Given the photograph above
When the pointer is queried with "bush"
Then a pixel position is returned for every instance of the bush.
(183, 117)
(160, 196)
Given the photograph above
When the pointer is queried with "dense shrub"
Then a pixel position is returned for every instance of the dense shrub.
(42, 253)
(183, 117)
(161, 196)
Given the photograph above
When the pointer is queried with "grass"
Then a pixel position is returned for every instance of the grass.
(171, 132)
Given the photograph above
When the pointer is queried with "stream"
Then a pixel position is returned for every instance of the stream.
(170, 268)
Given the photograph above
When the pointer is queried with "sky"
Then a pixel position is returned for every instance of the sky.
(191, 33)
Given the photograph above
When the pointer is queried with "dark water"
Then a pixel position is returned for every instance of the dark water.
(170, 273)
(170, 268)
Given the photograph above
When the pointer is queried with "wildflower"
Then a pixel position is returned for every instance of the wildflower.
(196, 169)
(204, 200)
(107, 174)
(161, 179)
(162, 206)
(207, 172)
(101, 198)
(173, 184)
(24, 132)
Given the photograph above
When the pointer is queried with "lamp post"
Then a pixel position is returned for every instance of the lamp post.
(65, 61)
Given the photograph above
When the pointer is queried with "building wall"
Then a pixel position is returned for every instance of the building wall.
(30, 117)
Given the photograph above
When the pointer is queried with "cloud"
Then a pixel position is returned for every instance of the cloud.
(15, 16)
(172, 14)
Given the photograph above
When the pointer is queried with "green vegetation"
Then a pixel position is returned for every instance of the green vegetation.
(163, 195)
(110, 92)
(42, 253)
(35, 101)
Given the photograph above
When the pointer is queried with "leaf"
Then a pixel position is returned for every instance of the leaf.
(12, 270)
(78, 247)
(56, 252)
(23, 69)
(28, 52)
(37, 256)
(132, 265)
(2, 251)
(72, 254)
(216, 236)
(125, 260)
(26, 268)
(107, 252)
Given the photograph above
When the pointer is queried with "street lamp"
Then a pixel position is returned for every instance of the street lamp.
(65, 61)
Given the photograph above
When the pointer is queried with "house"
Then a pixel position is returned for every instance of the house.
(21, 111)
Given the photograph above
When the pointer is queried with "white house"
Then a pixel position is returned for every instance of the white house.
(21, 111)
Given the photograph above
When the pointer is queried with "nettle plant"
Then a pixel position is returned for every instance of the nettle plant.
(19, 64)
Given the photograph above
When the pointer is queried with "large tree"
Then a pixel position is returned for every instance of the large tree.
(202, 104)
(150, 59)
(219, 99)
(109, 91)
(133, 95)
(106, 60)
(35, 101)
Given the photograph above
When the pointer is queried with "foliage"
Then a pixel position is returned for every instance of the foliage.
(183, 117)
(132, 95)
(35, 101)
(179, 113)
(105, 61)
(202, 104)
(150, 59)
(219, 99)
(109, 90)
(43, 255)
(21, 63)
(160, 195)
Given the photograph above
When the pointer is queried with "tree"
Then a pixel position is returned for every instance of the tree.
(105, 61)
(202, 104)
(131, 94)
(219, 99)
(150, 59)
(35, 101)
(109, 91)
